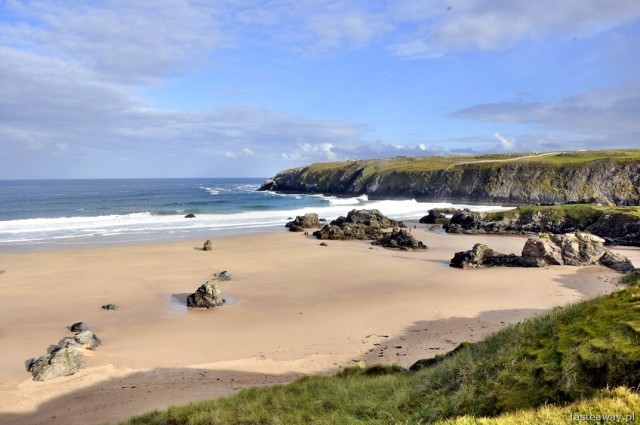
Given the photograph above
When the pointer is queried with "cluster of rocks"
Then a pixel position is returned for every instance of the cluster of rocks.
(400, 239)
(573, 249)
(208, 295)
(66, 358)
(358, 224)
(302, 222)
(438, 215)
(615, 228)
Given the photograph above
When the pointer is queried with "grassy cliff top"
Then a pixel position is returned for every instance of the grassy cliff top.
(579, 212)
(568, 356)
(431, 163)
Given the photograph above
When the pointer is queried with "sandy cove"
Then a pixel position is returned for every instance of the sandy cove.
(295, 308)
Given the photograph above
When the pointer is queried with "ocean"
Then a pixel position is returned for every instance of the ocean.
(74, 213)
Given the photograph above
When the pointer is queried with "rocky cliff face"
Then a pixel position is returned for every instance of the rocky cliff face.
(609, 180)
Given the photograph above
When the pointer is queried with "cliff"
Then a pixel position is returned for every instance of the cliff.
(611, 177)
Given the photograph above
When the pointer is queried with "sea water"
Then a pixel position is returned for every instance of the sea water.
(71, 213)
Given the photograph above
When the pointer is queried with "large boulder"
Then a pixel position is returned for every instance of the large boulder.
(574, 249)
(401, 239)
(208, 295)
(301, 222)
(481, 256)
(358, 224)
(65, 359)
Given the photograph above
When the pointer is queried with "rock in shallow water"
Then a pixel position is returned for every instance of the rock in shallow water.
(208, 295)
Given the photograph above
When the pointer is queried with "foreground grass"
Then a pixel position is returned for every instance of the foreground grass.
(568, 355)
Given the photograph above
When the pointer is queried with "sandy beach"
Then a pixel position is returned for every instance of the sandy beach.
(294, 308)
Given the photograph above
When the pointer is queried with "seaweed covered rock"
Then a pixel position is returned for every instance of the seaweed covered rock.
(481, 256)
(208, 295)
(301, 222)
(358, 224)
(401, 239)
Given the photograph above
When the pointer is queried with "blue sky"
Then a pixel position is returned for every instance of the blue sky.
(190, 88)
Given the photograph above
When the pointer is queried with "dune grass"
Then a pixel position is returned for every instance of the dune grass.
(531, 371)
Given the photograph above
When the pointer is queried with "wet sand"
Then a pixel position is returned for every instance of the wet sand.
(294, 308)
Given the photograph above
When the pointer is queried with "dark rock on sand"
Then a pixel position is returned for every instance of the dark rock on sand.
(572, 249)
(110, 307)
(323, 244)
(222, 276)
(401, 239)
(208, 245)
(190, 216)
(301, 222)
(481, 256)
(358, 224)
(208, 295)
(79, 327)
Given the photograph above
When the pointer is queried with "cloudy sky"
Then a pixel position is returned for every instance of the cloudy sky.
(194, 88)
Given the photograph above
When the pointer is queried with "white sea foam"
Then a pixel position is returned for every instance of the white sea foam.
(145, 223)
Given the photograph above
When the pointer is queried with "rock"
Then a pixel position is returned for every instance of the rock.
(79, 327)
(110, 307)
(190, 216)
(358, 224)
(222, 276)
(481, 256)
(323, 244)
(617, 262)
(437, 216)
(208, 295)
(65, 359)
(208, 245)
(574, 249)
(401, 239)
(301, 222)
(424, 363)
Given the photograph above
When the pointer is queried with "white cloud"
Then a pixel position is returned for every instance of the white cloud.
(505, 144)
(248, 151)
(611, 112)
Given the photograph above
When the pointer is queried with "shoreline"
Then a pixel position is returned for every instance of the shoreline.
(298, 309)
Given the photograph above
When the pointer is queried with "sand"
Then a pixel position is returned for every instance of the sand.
(295, 308)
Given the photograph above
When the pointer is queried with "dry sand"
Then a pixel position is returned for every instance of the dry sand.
(295, 308)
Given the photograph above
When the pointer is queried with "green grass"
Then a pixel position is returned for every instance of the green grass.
(565, 356)
(580, 212)
(430, 163)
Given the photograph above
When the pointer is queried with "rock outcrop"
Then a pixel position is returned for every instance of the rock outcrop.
(190, 215)
(610, 176)
(401, 239)
(574, 249)
(65, 359)
(481, 256)
(208, 295)
(302, 222)
(358, 224)
(617, 228)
